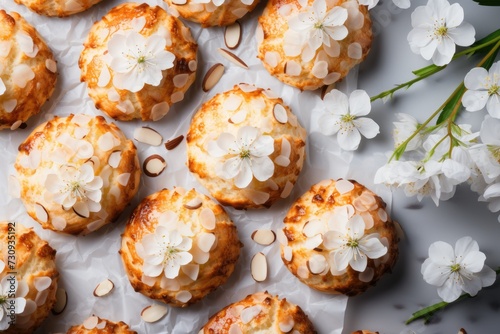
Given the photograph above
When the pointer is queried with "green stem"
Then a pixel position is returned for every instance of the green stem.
(427, 312)
(433, 69)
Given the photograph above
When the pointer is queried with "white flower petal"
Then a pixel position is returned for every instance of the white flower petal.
(450, 290)
(465, 245)
(262, 168)
(336, 102)
(227, 142)
(473, 261)
(474, 100)
(342, 257)
(367, 127)
(358, 262)
(262, 146)
(244, 176)
(493, 106)
(441, 253)
(487, 276)
(372, 247)
(454, 15)
(329, 124)
(472, 285)
(349, 140)
(231, 167)
(434, 274)
(463, 35)
(359, 103)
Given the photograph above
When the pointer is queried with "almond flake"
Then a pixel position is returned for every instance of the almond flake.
(303, 272)
(212, 77)
(235, 329)
(313, 227)
(258, 267)
(271, 184)
(101, 325)
(344, 186)
(270, 94)
(287, 190)
(179, 2)
(320, 69)
(282, 161)
(51, 65)
(103, 288)
(288, 253)
(232, 102)
(287, 324)
(313, 242)
(21, 75)
(159, 110)
(81, 210)
(113, 95)
(258, 197)
(42, 283)
(41, 297)
(193, 65)
(368, 219)
(9, 105)
(331, 78)
(233, 58)
(239, 12)
(205, 241)
(382, 214)
(106, 142)
(272, 58)
(207, 219)
(41, 213)
(199, 256)
(239, 117)
(104, 77)
(280, 113)
(355, 51)
(247, 88)
(249, 313)
(153, 313)
(115, 158)
(232, 35)
(194, 204)
(123, 179)
(173, 143)
(264, 237)
(148, 136)
(280, 235)
(367, 275)
(180, 80)
(325, 90)
(191, 270)
(90, 322)
(292, 68)
(183, 296)
(316, 264)
(154, 165)
(259, 34)
(61, 301)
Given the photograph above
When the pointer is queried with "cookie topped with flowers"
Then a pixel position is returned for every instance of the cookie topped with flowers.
(138, 61)
(246, 147)
(76, 174)
(308, 44)
(211, 13)
(338, 238)
(178, 246)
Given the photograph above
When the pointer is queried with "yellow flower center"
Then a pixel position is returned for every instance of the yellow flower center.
(141, 59)
(493, 89)
(441, 31)
(245, 153)
(348, 118)
(353, 243)
(318, 25)
(455, 268)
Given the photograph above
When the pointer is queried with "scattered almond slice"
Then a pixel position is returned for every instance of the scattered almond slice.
(238, 117)
(232, 35)
(41, 213)
(207, 219)
(316, 264)
(61, 301)
(235, 329)
(288, 253)
(81, 210)
(280, 114)
(179, 2)
(212, 77)
(233, 58)
(194, 204)
(287, 190)
(249, 313)
(90, 322)
(42, 283)
(173, 143)
(183, 296)
(344, 186)
(148, 136)
(326, 89)
(287, 324)
(115, 158)
(264, 237)
(103, 288)
(153, 313)
(154, 165)
(206, 241)
(280, 235)
(313, 227)
(258, 267)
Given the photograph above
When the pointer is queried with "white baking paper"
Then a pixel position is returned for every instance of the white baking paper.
(83, 262)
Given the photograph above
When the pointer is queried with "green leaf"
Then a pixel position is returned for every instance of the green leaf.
(448, 108)
(488, 2)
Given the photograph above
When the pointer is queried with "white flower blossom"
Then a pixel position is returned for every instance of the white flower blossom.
(165, 251)
(483, 89)
(372, 3)
(403, 129)
(343, 118)
(349, 246)
(137, 60)
(486, 155)
(457, 270)
(71, 185)
(8, 289)
(245, 156)
(320, 25)
(437, 27)
(369, 3)
(403, 4)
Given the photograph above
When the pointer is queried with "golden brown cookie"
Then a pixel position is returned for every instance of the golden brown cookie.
(77, 173)
(246, 147)
(211, 13)
(28, 278)
(311, 43)
(28, 71)
(137, 61)
(338, 238)
(178, 246)
(58, 7)
(96, 325)
(259, 313)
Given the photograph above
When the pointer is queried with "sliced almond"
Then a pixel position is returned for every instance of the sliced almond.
(238, 117)
(280, 114)
(153, 313)
(212, 77)
(194, 204)
(61, 301)
(258, 267)
(233, 58)
(206, 241)
(316, 264)
(326, 89)
(148, 136)
(103, 288)
(249, 313)
(90, 322)
(41, 213)
(207, 219)
(183, 296)
(286, 325)
(288, 253)
(232, 35)
(179, 2)
(81, 210)
(462, 331)
(154, 165)
(313, 227)
(42, 283)
(115, 158)
(173, 143)
(264, 237)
